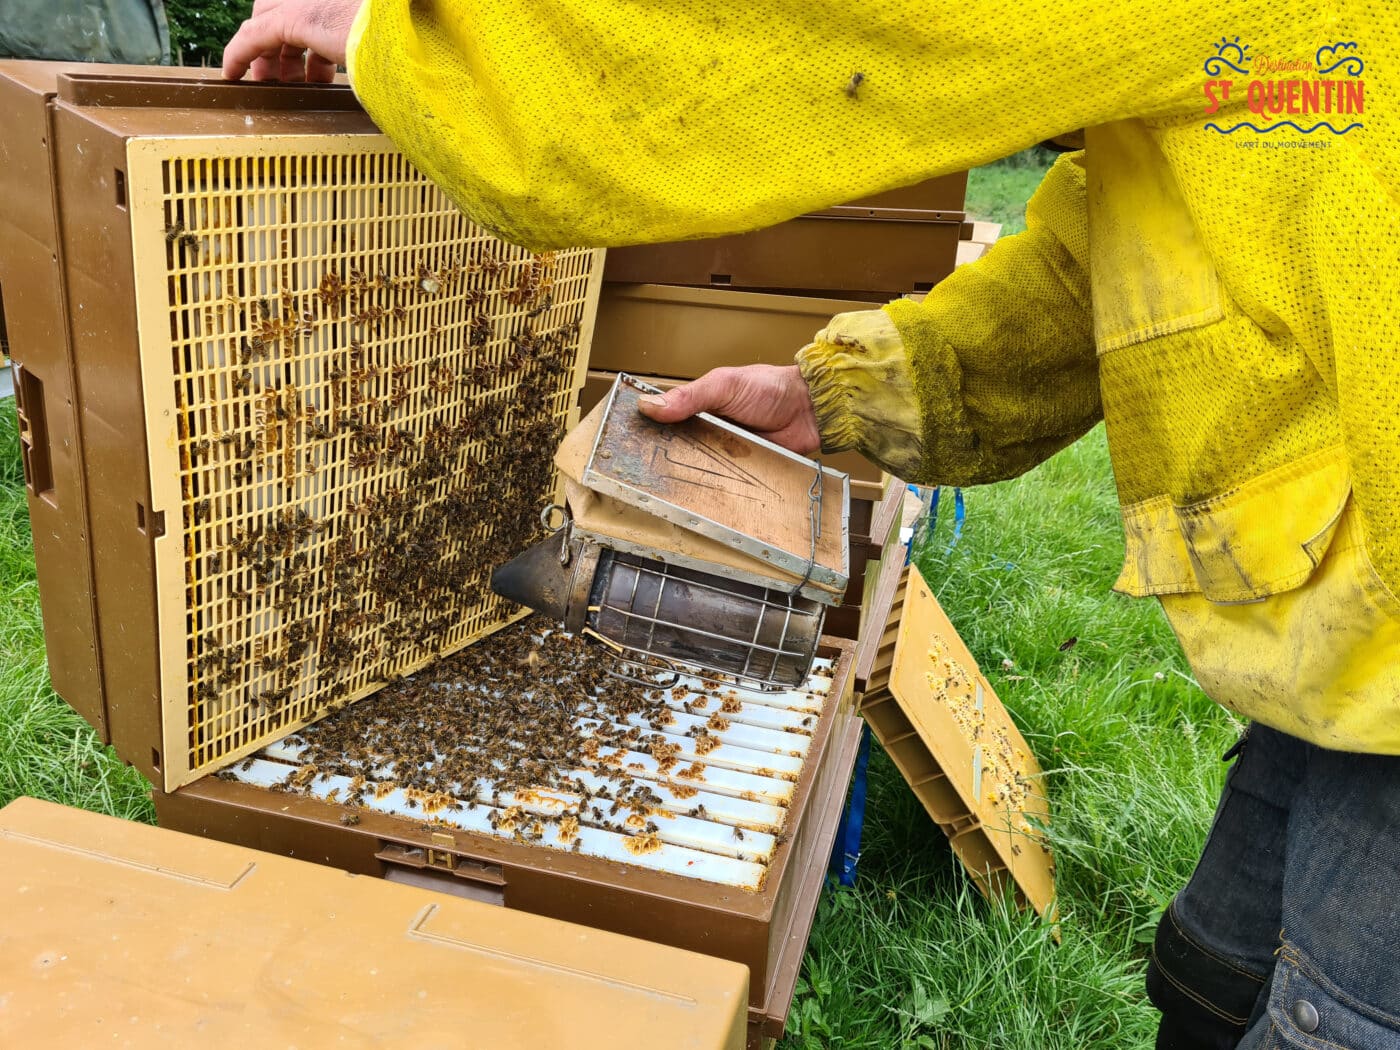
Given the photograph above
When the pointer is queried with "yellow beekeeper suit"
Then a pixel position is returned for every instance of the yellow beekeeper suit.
(1229, 305)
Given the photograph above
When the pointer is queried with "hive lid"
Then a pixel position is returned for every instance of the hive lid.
(167, 939)
(954, 743)
(708, 495)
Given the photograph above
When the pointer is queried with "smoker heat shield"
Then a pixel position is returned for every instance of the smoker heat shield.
(283, 405)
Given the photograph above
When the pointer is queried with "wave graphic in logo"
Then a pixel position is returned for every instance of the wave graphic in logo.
(1351, 65)
(1212, 126)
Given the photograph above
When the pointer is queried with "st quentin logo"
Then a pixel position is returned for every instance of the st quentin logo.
(1327, 85)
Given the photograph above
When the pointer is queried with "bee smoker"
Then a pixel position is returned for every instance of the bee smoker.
(667, 615)
(669, 552)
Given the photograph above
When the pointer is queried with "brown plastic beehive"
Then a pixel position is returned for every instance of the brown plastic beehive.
(265, 368)
(161, 237)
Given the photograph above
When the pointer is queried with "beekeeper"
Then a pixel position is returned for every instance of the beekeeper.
(1220, 287)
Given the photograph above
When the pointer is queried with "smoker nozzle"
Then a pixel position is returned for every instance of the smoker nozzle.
(538, 578)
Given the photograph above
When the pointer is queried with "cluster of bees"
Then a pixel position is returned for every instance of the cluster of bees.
(440, 437)
(1005, 781)
(506, 717)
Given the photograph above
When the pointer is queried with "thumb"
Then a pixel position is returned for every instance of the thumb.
(709, 393)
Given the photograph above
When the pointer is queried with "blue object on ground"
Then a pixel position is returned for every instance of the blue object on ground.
(845, 855)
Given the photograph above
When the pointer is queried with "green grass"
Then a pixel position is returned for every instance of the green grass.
(912, 956)
(998, 192)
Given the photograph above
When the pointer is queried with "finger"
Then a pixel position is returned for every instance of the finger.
(291, 65)
(710, 393)
(266, 67)
(256, 38)
(319, 70)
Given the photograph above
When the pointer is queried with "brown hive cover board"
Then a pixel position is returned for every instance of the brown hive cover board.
(119, 930)
(954, 743)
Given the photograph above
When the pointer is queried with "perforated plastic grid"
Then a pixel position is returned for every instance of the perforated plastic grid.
(369, 390)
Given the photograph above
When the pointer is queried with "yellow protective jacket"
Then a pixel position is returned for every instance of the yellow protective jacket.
(1227, 300)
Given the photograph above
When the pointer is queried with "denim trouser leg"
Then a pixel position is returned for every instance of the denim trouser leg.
(1215, 945)
(1288, 935)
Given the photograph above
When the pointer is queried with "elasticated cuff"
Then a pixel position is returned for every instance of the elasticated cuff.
(832, 400)
(862, 390)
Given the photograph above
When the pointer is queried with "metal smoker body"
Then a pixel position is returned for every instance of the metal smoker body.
(667, 615)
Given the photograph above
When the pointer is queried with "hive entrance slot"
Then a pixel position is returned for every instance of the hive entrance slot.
(33, 432)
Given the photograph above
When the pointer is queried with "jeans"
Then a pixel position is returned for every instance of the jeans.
(1288, 934)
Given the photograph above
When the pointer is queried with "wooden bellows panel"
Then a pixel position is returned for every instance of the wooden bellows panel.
(928, 704)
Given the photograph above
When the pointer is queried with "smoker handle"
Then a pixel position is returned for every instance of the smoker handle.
(33, 431)
(192, 92)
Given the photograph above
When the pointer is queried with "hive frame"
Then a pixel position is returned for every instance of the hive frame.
(172, 510)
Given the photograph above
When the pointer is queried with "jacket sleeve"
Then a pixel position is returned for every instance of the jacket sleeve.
(991, 374)
(606, 122)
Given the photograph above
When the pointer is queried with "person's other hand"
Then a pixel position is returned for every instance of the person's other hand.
(769, 400)
(291, 40)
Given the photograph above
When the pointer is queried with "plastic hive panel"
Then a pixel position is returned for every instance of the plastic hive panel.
(343, 349)
(297, 408)
(954, 743)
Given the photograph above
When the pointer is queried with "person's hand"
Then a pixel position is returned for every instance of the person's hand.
(771, 401)
(291, 40)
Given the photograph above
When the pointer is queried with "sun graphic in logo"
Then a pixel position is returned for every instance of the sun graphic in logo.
(1229, 53)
